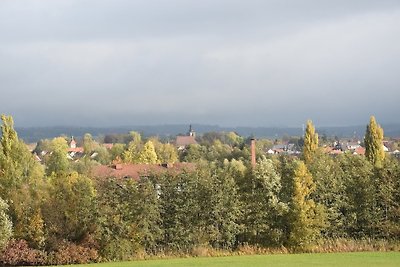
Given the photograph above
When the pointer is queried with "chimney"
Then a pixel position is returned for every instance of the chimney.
(118, 166)
(253, 152)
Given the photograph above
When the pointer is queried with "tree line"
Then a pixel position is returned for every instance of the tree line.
(58, 213)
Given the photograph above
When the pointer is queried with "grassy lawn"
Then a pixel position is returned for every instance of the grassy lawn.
(362, 259)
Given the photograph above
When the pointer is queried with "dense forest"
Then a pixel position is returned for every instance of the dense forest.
(55, 211)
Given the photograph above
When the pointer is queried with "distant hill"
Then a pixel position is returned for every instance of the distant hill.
(33, 134)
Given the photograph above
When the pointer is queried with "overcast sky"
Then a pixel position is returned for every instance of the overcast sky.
(227, 62)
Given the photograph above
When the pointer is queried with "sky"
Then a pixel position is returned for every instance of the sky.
(225, 62)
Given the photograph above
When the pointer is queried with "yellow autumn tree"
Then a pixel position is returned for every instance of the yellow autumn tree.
(310, 142)
(373, 141)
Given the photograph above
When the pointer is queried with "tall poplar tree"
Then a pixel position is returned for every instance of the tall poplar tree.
(310, 142)
(307, 218)
(10, 161)
(373, 141)
(17, 164)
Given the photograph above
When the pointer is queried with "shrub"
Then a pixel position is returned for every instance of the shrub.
(17, 252)
(119, 250)
(69, 253)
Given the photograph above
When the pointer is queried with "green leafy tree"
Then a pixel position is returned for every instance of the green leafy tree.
(263, 209)
(58, 161)
(387, 180)
(218, 151)
(5, 224)
(89, 144)
(102, 155)
(146, 213)
(373, 141)
(21, 179)
(310, 142)
(70, 212)
(217, 197)
(25, 211)
(117, 151)
(233, 139)
(360, 213)
(118, 234)
(330, 191)
(166, 153)
(193, 153)
(179, 211)
(135, 137)
(17, 165)
(131, 154)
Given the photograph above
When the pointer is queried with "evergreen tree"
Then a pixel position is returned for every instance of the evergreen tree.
(373, 141)
(310, 142)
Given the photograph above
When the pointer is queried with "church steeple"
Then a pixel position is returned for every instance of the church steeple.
(191, 132)
(72, 144)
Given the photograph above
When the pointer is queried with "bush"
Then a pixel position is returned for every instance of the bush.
(353, 245)
(119, 250)
(17, 252)
(69, 253)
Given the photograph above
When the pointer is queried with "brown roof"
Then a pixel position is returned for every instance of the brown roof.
(76, 149)
(136, 170)
(359, 151)
(185, 140)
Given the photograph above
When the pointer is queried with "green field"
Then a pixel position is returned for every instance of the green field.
(363, 259)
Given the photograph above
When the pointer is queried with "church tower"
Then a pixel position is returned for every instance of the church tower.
(191, 132)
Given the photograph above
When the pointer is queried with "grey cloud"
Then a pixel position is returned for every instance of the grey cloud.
(228, 62)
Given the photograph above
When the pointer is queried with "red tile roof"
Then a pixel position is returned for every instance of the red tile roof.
(185, 140)
(359, 151)
(134, 171)
(76, 149)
